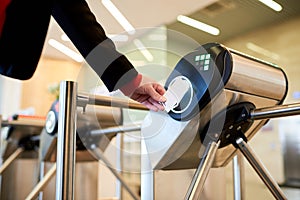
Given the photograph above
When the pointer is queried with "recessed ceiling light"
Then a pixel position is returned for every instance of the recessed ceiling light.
(262, 51)
(138, 63)
(199, 25)
(272, 4)
(143, 49)
(118, 37)
(118, 16)
(65, 38)
(67, 51)
(157, 37)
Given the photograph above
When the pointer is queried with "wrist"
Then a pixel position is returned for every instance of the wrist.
(131, 86)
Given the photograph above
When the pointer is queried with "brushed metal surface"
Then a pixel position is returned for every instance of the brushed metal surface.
(251, 80)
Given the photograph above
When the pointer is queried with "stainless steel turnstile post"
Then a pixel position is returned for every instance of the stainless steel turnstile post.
(238, 177)
(66, 138)
(66, 141)
(202, 171)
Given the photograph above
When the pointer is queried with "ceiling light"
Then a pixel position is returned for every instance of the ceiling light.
(65, 38)
(272, 4)
(262, 51)
(199, 25)
(67, 51)
(118, 38)
(118, 16)
(138, 63)
(157, 37)
(143, 49)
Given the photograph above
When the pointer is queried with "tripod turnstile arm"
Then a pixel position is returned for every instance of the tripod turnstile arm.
(34, 193)
(260, 169)
(197, 183)
(276, 111)
(10, 159)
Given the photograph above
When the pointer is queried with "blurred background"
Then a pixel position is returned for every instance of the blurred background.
(156, 33)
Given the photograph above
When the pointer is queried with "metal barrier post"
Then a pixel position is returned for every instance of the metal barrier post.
(238, 177)
(66, 141)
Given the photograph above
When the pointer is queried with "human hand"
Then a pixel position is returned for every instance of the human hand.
(149, 93)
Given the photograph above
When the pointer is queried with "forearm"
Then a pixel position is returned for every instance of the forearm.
(81, 26)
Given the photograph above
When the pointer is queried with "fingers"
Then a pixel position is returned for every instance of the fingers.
(151, 95)
(150, 106)
(156, 104)
(156, 93)
(141, 98)
(160, 89)
(149, 102)
(154, 107)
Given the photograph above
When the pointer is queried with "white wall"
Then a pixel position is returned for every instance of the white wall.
(10, 96)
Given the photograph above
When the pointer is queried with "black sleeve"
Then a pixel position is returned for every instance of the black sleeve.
(22, 37)
(79, 23)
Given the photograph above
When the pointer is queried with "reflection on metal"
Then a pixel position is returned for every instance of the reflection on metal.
(241, 79)
(84, 99)
(39, 187)
(19, 140)
(247, 81)
(25, 123)
(66, 139)
(260, 169)
(101, 156)
(116, 129)
(238, 177)
(197, 183)
(10, 159)
(66, 143)
(147, 175)
(22, 132)
(290, 140)
(276, 111)
(94, 118)
(228, 89)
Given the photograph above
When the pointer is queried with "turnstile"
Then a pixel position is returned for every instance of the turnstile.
(231, 96)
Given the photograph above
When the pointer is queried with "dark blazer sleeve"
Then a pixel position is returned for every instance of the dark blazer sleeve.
(22, 37)
(79, 23)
